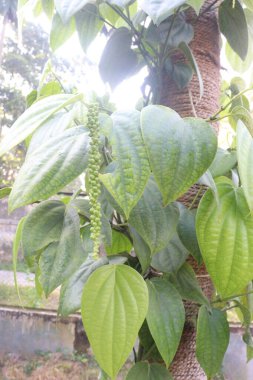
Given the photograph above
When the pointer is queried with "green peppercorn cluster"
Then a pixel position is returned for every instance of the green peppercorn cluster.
(94, 184)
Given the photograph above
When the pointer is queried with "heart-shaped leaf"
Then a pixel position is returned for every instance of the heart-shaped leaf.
(180, 150)
(51, 167)
(113, 296)
(225, 236)
(212, 340)
(34, 117)
(62, 258)
(171, 258)
(156, 224)
(165, 317)
(127, 182)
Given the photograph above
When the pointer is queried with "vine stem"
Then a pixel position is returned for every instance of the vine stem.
(220, 300)
(223, 108)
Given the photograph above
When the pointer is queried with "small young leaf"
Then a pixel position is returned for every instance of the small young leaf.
(212, 340)
(113, 296)
(165, 317)
(120, 244)
(223, 162)
(147, 371)
(141, 250)
(233, 25)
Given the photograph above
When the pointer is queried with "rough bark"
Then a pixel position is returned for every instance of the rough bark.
(206, 49)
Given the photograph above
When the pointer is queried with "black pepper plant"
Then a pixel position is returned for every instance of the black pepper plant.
(118, 249)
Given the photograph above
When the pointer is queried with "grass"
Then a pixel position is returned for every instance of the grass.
(29, 297)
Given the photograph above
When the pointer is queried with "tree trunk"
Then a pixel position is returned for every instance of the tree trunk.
(206, 50)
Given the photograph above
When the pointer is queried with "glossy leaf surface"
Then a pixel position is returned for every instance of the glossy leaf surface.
(179, 150)
(225, 236)
(165, 317)
(156, 224)
(113, 296)
(212, 340)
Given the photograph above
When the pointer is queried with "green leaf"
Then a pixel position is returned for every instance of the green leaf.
(34, 117)
(62, 258)
(88, 24)
(196, 5)
(147, 371)
(165, 317)
(241, 113)
(212, 340)
(118, 60)
(159, 10)
(113, 296)
(67, 9)
(156, 224)
(127, 182)
(71, 291)
(120, 3)
(223, 162)
(193, 63)
(48, 7)
(187, 285)
(179, 150)
(187, 232)
(225, 236)
(233, 25)
(171, 258)
(60, 32)
(150, 351)
(182, 74)
(245, 156)
(51, 167)
(4, 192)
(42, 226)
(141, 250)
(108, 13)
(120, 244)
(16, 244)
(236, 62)
(248, 4)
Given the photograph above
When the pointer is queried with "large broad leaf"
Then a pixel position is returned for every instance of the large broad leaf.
(51, 167)
(159, 10)
(127, 182)
(171, 258)
(118, 60)
(34, 117)
(150, 351)
(113, 296)
(62, 258)
(71, 291)
(223, 162)
(60, 32)
(165, 317)
(212, 340)
(156, 224)
(67, 9)
(43, 225)
(146, 371)
(233, 25)
(179, 150)
(141, 250)
(187, 285)
(187, 232)
(4, 192)
(88, 24)
(225, 236)
(245, 157)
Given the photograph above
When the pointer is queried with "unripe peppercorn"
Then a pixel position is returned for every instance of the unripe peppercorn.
(94, 184)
